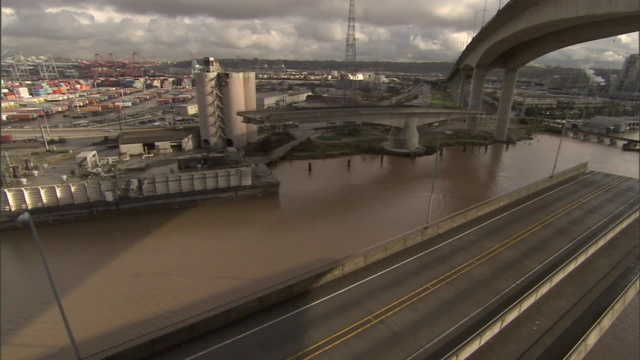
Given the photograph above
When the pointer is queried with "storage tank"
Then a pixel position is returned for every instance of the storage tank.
(233, 101)
(250, 103)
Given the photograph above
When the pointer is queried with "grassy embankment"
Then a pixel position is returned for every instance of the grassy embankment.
(343, 142)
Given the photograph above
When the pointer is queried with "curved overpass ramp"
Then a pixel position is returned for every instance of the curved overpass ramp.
(403, 120)
(524, 30)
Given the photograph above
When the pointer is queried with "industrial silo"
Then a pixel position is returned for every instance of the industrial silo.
(250, 103)
(233, 100)
(210, 106)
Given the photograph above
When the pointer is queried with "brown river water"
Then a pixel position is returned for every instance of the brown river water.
(125, 276)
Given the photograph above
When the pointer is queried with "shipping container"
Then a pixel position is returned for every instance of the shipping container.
(23, 116)
(6, 139)
(38, 112)
(91, 109)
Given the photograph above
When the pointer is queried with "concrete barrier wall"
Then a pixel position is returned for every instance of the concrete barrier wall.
(500, 322)
(406, 240)
(197, 325)
(593, 335)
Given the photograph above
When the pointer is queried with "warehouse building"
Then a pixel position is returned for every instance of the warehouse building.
(604, 125)
(276, 99)
(162, 141)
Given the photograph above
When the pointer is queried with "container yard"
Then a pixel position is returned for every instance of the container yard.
(31, 100)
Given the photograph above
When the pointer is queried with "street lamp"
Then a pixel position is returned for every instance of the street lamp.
(25, 218)
(553, 171)
(46, 123)
(433, 183)
(484, 13)
(475, 21)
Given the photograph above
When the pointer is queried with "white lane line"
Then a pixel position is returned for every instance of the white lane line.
(378, 274)
(523, 278)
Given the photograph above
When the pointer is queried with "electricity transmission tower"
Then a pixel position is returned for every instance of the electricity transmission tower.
(350, 84)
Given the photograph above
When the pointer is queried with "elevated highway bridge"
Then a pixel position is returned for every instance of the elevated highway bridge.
(523, 275)
(524, 30)
(526, 280)
(403, 120)
(519, 33)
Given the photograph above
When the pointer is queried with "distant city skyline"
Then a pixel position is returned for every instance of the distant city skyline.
(163, 30)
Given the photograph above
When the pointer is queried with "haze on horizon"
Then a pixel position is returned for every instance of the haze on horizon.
(387, 30)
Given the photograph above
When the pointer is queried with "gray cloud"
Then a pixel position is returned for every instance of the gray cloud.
(387, 30)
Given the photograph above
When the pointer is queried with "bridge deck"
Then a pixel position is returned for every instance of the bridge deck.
(316, 113)
(607, 136)
(575, 304)
(433, 295)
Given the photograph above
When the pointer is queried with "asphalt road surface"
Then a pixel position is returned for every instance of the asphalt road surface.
(428, 299)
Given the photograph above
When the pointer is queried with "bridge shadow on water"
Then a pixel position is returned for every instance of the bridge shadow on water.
(86, 261)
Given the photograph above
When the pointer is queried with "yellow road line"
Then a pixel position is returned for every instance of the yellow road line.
(435, 284)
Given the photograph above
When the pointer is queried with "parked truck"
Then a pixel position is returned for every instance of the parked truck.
(4, 139)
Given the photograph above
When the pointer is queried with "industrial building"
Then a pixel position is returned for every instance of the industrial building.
(163, 141)
(220, 96)
(605, 125)
(546, 103)
(277, 99)
(186, 110)
(581, 102)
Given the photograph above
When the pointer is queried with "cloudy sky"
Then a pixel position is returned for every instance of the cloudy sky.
(387, 30)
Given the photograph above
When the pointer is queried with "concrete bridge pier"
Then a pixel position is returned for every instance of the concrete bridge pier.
(506, 98)
(458, 86)
(475, 98)
(405, 138)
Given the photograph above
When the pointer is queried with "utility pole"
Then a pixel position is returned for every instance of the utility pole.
(564, 127)
(350, 87)
(119, 121)
(25, 218)
(44, 138)
(173, 116)
(435, 175)
(46, 123)
(553, 171)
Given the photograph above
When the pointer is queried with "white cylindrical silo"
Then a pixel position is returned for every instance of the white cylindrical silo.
(250, 103)
(233, 100)
(207, 113)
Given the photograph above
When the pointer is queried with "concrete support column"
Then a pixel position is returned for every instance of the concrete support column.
(456, 86)
(405, 138)
(463, 85)
(475, 98)
(460, 92)
(506, 98)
